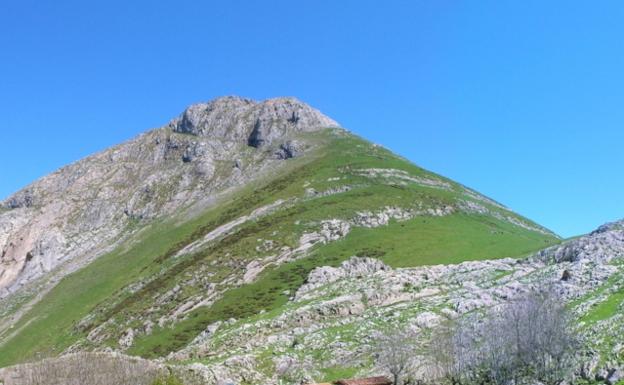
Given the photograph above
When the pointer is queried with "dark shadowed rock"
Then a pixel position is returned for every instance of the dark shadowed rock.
(290, 149)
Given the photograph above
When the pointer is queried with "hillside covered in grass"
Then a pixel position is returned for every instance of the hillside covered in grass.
(247, 253)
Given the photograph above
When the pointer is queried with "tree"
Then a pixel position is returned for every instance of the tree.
(454, 352)
(395, 351)
(544, 341)
(529, 339)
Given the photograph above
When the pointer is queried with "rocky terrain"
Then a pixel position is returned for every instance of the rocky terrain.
(329, 326)
(257, 242)
(332, 320)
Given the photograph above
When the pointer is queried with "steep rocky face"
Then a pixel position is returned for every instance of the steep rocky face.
(74, 213)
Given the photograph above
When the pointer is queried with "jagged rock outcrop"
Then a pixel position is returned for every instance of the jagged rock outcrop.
(74, 213)
(259, 124)
(604, 244)
(290, 149)
(353, 267)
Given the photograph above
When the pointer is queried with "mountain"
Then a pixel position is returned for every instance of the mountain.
(74, 212)
(213, 238)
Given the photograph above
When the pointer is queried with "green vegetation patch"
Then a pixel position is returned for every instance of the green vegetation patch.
(271, 291)
(336, 373)
(605, 309)
(438, 240)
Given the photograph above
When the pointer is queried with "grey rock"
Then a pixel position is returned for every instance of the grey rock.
(604, 244)
(382, 217)
(24, 198)
(331, 230)
(312, 193)
(614, 376)
(243, 120)
(290, 149)
(354, 267)
(127, 339)
(275, 119)
(618, 225)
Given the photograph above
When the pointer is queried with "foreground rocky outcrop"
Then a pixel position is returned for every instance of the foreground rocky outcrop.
(333, 319)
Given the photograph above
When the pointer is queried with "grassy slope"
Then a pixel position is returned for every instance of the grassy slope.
(51, 326)
(438, 240)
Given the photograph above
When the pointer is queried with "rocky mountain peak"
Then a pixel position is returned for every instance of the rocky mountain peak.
(254, 123)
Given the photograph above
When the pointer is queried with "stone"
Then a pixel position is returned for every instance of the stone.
(614, 376)
(566, 275)
(604, 244)
(290, 149)
(256, 124)
(127, 339)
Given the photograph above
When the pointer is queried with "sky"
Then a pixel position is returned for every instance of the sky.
(520, 100)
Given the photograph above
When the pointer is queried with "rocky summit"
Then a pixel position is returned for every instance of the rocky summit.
(260, 242)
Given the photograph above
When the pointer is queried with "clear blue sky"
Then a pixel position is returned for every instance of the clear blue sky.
(521, 100)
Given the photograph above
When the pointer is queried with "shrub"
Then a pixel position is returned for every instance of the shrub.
(529, 340)
(83, 369)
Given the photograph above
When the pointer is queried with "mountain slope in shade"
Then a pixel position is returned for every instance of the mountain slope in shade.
(221, 215)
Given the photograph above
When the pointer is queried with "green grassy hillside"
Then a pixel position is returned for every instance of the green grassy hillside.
(167, 300)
